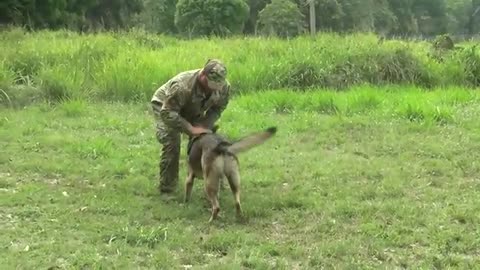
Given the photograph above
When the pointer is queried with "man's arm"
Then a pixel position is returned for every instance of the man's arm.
(170, 112)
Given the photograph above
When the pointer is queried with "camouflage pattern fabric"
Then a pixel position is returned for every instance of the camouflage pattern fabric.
(180, 104)
(170, 152)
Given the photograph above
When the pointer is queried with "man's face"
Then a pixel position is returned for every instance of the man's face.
(212, 82)
(213, 76)
(215, 82)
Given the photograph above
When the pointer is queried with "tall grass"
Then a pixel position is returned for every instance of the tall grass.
(129, 66)
(410, 103)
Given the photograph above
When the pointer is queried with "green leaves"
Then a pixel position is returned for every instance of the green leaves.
(282, 18)
(55, 14)
(194, 18)
(211, 17)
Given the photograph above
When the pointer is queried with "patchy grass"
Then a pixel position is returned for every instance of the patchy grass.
(349, 181)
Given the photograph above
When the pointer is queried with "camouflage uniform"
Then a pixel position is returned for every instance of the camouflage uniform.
(181, 103)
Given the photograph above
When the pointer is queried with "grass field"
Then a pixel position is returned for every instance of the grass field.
(369, 178)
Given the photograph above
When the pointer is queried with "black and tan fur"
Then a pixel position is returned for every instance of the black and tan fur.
(212, 157)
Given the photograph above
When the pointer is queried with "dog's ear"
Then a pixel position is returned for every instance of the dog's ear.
(215, 128)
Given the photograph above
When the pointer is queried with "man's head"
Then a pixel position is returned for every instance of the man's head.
(214, 75)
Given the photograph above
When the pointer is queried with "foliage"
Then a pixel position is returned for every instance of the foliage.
(158, 16)
(329, 15)
(78, 15)
(281, 18)
(358, 15)
(211, 17)
(255, 7)
(384, 18)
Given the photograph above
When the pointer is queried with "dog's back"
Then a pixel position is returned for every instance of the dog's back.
(208, 147)
(202, 151)
(213, 157)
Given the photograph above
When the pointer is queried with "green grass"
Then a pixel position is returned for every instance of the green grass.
(369, 178)
(57, 65)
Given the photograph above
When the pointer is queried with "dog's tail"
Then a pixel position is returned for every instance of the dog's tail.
(248, 142)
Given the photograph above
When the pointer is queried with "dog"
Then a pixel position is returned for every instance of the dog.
(212, 157)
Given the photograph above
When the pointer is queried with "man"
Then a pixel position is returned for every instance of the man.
(184, 104)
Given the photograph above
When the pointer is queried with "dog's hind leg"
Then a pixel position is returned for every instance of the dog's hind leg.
(212, 177)
(233, 177)
(212, 193)
(189, 184)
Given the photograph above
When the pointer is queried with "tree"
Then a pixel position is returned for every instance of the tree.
(158, 16)
(211, 17)
(474, 18)
(329, 15)
(431, 16)
(458, 15)
(406, 21)
(33, 14)
(113, 14)
(359, 15)
(255, 7)
(384, 18)
(75, 14)
(282, 18)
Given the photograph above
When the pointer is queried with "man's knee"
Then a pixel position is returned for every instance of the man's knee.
(170, 142)
(166, 135)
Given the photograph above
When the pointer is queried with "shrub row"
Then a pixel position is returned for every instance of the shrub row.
(131, 65)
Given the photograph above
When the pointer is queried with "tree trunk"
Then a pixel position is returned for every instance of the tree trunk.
(471, 21)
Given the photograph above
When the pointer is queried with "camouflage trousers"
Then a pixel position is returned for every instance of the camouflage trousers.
(170, 141)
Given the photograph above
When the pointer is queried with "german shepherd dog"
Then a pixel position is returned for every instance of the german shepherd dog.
(212, 157)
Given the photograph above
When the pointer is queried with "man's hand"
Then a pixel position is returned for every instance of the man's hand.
(199, 130)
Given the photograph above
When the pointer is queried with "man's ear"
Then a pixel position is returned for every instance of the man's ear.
(202, 79)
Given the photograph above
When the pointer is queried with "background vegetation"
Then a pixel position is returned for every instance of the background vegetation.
(130, 65)
(358, 42)
(230, 17)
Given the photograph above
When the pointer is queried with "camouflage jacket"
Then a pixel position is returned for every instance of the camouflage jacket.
(184, 104)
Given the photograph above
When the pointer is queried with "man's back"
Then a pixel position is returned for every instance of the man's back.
(185, 80)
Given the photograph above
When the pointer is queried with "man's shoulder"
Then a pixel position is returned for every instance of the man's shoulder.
(182, 82)
(185, 76)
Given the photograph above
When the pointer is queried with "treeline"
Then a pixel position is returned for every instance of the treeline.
(232, 17)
